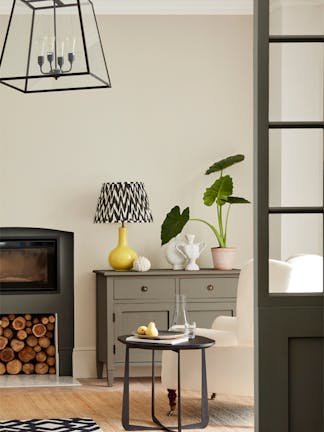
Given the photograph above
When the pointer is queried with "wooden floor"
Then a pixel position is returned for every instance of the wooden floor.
(103, 404)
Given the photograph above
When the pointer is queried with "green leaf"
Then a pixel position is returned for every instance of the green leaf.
(173, 224)
(219, 191)
(225, 163)
(237, 200)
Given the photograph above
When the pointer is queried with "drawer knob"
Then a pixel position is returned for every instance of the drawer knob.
(144, 288)
(210, 287)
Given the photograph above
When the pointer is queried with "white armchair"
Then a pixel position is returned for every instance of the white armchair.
(230, 360)
(307, 274)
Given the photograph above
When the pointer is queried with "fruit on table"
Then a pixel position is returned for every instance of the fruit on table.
(141, 330)
(152, 330)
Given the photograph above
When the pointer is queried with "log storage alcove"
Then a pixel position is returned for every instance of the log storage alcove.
(27, 344)
(25, 292)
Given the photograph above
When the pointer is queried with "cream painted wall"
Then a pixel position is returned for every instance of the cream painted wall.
(181, 99)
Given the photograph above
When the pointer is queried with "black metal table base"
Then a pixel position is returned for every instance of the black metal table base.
(204, 399)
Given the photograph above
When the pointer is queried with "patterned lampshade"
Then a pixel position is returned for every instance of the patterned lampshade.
(123, 202)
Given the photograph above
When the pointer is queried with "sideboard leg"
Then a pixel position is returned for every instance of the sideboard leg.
(99, 369)
(110, 378)
(172, 395)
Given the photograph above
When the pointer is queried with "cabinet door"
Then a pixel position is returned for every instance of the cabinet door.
(205, 313)
(129, 317)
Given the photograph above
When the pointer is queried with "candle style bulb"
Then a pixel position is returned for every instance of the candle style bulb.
(62, 49)
(51, 44)
(43, 45)
(73, 45)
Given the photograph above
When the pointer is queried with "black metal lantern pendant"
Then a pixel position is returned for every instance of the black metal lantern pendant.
(53, 45)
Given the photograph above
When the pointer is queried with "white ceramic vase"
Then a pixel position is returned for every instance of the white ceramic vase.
(173, 256)
(191, 251)
(223, 258)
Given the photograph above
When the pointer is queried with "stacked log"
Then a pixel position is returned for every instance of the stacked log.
(27, 344)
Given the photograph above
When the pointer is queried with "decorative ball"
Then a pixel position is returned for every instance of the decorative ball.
(141, 264)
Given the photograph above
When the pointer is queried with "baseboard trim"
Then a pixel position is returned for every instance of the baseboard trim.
(84, 365)
(84, 362)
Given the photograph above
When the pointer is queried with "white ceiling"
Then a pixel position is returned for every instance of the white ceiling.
(163, 7)
(178, 7)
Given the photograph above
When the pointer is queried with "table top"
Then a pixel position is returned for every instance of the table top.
(169, 272)
(199, 342)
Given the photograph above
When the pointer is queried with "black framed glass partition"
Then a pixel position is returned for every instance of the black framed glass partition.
(289, 330)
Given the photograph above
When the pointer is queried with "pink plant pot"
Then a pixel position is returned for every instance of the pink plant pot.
(223, 258)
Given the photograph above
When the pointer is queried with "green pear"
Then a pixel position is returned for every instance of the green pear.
(151, 330)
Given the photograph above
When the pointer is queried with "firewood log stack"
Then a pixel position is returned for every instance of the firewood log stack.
(27, 344)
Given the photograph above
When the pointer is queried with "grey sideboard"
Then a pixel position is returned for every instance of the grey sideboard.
(126, 300)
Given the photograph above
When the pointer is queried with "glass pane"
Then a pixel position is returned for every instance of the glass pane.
(298, 240)
(296, 168)
(296, 82)
(25, 265)
(40, 4)
(15, 54)
(68, 40)
(96, 58)
(296, 17)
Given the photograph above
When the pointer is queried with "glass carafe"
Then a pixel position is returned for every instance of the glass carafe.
(180, 316)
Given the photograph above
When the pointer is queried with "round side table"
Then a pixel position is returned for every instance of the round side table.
(199, 342)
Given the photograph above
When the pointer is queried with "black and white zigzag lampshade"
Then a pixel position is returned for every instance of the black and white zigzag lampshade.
(123, 202)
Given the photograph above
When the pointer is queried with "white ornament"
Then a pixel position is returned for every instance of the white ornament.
(191, 251)
(141, 264)
(173, 256)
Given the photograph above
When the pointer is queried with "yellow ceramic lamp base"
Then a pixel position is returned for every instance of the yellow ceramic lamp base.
(122, 257)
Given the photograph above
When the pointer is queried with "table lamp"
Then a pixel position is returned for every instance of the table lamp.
(122, 202)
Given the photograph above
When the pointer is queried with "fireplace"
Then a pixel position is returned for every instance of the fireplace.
(36, 277)
(28, 265)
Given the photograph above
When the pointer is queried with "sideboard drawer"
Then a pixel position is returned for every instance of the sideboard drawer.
(208, 288)
(144, 288)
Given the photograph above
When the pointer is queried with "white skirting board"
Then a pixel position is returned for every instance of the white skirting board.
(84, 362)
(7, 381)
(84, 365)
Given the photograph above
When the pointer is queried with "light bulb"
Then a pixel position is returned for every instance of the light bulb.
(73, 45)
(44, 45)
(51, 44)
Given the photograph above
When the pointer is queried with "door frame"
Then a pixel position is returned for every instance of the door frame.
(286, 325)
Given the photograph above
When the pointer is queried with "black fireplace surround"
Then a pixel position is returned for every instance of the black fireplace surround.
(43, 283)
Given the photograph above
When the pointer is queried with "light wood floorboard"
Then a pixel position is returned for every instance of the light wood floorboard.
(103, 404)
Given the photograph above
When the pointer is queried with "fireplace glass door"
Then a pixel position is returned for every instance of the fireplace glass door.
(28, 265)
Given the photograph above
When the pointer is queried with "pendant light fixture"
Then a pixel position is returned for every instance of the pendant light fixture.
(53, 45)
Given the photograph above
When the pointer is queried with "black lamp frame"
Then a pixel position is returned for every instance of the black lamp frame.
(56, 4)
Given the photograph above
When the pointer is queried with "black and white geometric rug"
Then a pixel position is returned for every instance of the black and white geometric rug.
(50, 425)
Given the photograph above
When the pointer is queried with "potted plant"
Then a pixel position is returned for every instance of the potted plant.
(220, 194)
